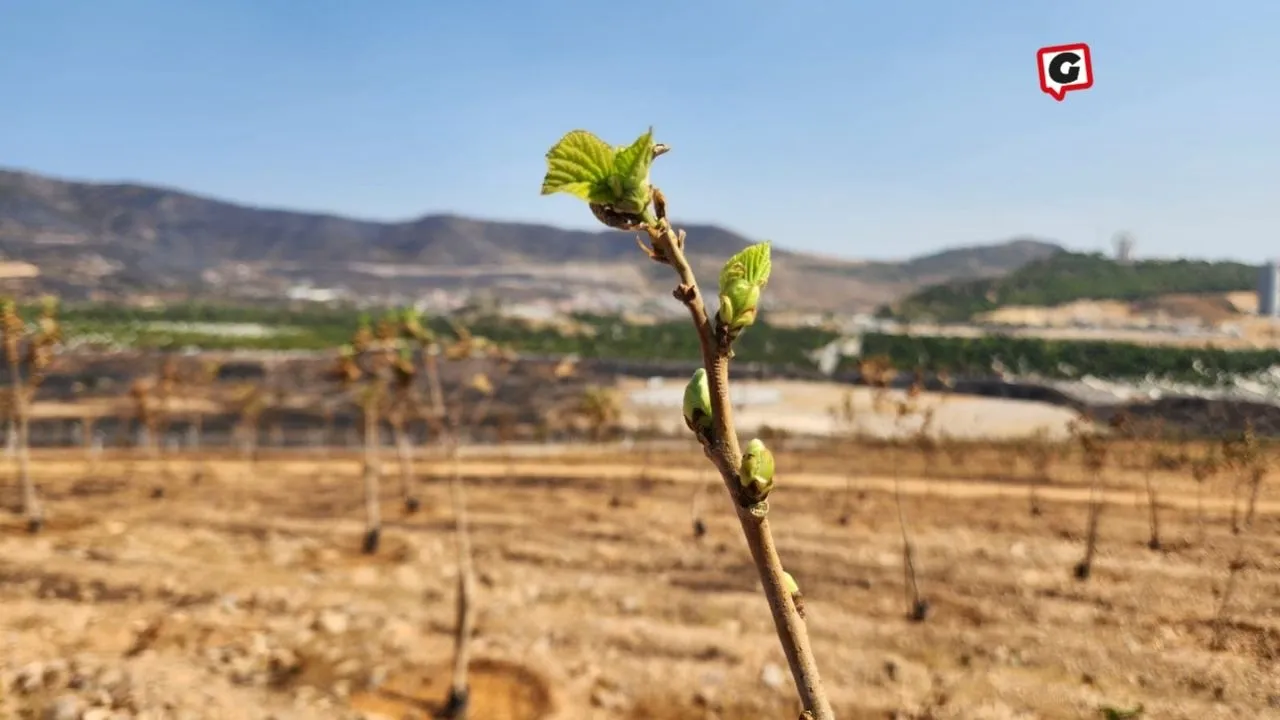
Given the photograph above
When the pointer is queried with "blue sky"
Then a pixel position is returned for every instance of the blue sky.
(848, 128)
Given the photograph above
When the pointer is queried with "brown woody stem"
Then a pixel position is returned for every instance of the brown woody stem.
(725, 454)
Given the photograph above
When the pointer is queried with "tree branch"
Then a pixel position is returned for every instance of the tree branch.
(725, 452)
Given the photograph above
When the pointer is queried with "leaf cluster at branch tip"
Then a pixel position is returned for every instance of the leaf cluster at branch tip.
(583, 165)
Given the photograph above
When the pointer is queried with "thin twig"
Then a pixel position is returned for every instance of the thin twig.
(725, 453)
(446, 424)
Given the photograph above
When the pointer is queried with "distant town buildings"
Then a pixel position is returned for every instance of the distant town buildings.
(314, 294)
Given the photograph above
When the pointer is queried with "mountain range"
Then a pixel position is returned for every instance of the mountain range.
(117, 240)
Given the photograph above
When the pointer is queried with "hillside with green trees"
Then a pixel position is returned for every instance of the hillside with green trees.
(1067, 277)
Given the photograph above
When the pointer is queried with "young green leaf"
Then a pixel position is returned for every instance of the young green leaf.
(741, 281)
(580, 165)
(633, 161)
(631, 166)
(752, 265)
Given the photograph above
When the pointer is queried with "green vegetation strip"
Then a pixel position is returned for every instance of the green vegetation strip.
(1067, 359)
(320, 328)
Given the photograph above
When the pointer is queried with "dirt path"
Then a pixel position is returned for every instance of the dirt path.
(968, 488)
(601, 465)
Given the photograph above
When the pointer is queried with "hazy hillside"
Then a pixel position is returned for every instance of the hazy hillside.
(118, 239)
(1068, 277)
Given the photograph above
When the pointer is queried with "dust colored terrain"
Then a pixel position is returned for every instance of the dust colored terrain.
(239, 591)
(1120, 320)
(813, 408)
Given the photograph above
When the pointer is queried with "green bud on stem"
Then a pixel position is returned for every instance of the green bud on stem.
(756, 471)
(790, 583)
(793, 589)
(697, 403)
(741, 281)
(738, 304)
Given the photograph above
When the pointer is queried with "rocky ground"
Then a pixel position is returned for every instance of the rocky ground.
(240, 593)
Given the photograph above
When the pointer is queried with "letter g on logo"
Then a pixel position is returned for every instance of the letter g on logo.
(1064, 69)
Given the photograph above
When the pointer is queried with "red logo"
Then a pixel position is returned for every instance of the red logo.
(1064, 69)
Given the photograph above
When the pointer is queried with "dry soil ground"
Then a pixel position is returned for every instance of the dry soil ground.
(240, 594)
(811, 408)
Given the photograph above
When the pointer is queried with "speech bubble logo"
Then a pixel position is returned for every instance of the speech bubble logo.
(1064, 69)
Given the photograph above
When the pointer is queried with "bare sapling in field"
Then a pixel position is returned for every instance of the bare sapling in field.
(88, 430)
(956, 449)
(1221, 615)
(149, 400)
(201, 385)
(1093, 460)
(1203, 469)
(249, 401)
(327, 407)
(146, 414)
(615, 183)
(458, 702)
(168, 386)
(845, 418)
(948, 383)
(363, 368)
(1041, 452)
(917, 604)
(31, 350)
(937, 435)
(1143, 441)
(925, 440)
(277, 397)
(1244, 457)
(601, 409)
(11, 427)
(1247, 457)
(508, 431)
(1257, 474)
(447, 418)
(1153, 459)
(877, 372)
(404, 408)
(648, 431)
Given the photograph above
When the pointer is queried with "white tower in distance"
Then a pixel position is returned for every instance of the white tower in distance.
(1124, 243)
(1269, 289)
